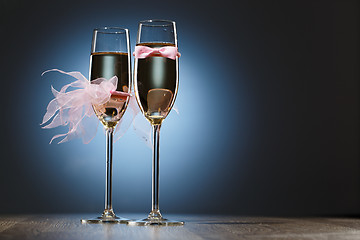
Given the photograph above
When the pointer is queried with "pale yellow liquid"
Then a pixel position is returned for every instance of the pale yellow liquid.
(106, 65)
(156, 85)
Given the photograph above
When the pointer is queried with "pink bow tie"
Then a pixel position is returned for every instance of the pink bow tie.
(168, 52)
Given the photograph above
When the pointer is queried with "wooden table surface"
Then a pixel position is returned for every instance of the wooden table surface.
(196, 227)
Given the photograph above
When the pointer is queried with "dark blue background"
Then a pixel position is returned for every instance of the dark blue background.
(268, 101)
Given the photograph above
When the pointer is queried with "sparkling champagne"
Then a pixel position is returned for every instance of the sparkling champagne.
(106, 65)
(156, 84)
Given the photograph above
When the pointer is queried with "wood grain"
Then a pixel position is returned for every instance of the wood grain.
(197, 227)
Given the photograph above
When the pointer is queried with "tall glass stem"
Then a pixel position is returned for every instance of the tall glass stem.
(155, 212)
(108, 212)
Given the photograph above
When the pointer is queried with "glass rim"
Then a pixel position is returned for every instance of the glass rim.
(111, 30)
(157, 22)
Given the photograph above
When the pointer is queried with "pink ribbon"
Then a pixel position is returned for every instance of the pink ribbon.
(168, 52)
(74, 108)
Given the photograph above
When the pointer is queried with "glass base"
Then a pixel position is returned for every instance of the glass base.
(105, 220)
(150, 221)
(107, 217)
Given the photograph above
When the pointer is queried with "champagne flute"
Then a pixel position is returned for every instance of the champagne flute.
(110, 57)
(156, 86)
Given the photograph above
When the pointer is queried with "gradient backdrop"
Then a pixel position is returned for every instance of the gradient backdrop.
(268, 101)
